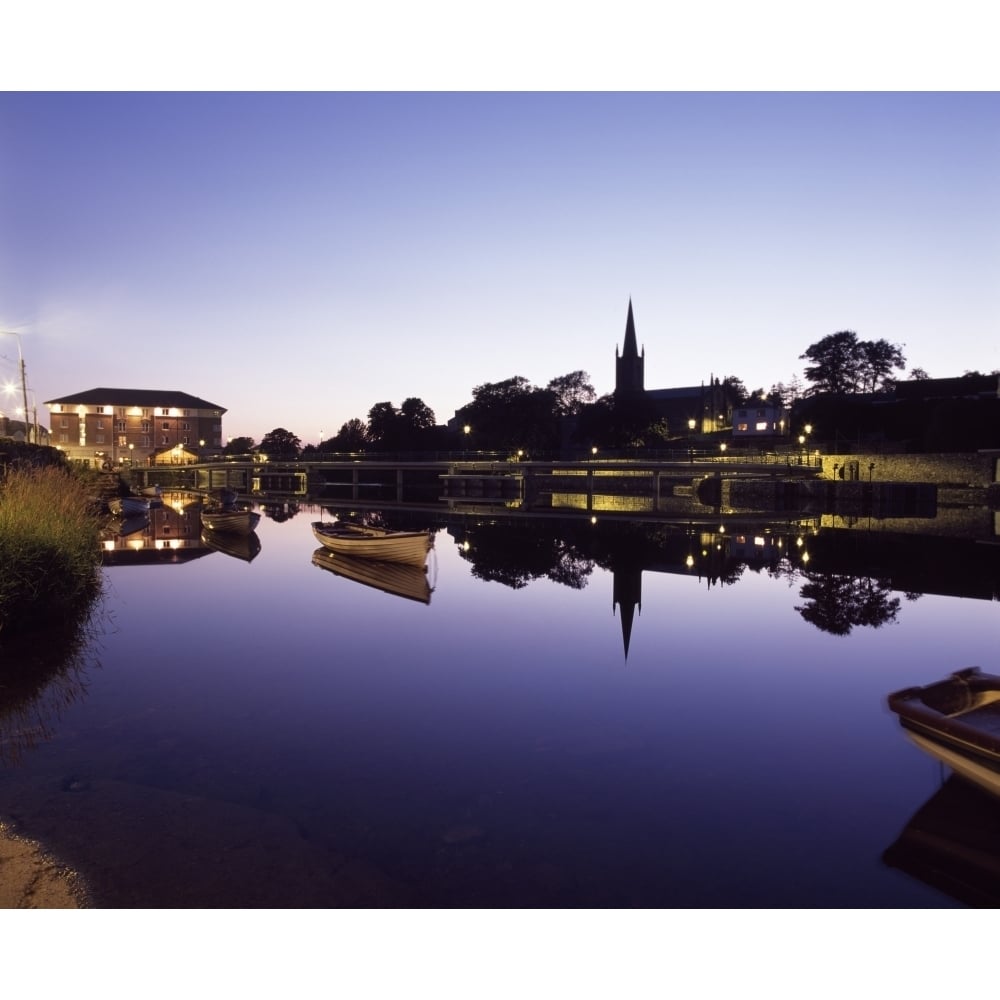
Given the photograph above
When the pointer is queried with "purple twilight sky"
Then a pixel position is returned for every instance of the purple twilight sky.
(299, 257)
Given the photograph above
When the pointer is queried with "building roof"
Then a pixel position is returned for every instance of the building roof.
(136, 397)
(683, 392)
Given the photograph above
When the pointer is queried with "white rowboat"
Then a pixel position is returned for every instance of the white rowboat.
(367, 542)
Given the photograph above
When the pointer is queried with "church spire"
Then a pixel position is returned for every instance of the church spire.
(629, 375)
(631, 348)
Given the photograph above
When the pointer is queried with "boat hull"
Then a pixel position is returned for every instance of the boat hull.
(230, 522)
(397, 578)
(239, 546)
(129, 506)
(408, 547)
(957, 721)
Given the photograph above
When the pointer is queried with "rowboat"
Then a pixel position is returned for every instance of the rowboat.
(239, 546)
(952, 843)
(957, 721)
(129, 506)
(398, 578)
(234, 522)
(368, 542)
(223, 495)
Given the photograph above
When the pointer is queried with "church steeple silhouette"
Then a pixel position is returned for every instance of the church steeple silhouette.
(626, 594)
(630, 364)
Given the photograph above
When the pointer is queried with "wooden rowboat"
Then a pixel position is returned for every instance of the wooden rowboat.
(239, 546)
(957, 721)
(400, 579)
(367, 542)
(129, 506)
(234, 522)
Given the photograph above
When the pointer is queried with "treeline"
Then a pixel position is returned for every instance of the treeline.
(514, 415)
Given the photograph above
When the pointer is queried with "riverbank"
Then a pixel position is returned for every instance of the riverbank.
(31, 880)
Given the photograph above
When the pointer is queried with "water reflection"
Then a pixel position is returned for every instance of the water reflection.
(953, 844)
(399, 579)
(42, 675)
(846, 581)
(486, 747)
(245, 547)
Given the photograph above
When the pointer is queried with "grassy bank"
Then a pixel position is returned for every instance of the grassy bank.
(49, 555)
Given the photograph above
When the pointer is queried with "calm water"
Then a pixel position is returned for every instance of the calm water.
(267, 733)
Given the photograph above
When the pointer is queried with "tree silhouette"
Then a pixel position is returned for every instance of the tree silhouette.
(239, 446)
(352, 436)
(572, 392)
(280, 443)
(842, 363)
(838, 603)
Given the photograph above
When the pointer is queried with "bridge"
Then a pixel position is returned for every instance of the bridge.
(621, 484)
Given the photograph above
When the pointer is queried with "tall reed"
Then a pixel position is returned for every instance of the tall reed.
(49, 553)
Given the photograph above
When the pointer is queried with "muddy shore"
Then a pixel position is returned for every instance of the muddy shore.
(32, 880)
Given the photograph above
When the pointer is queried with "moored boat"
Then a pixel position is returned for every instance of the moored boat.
(236, 522)
(957, 721)
(224, 495)
(239, 546)
(369, 542)
(129, 506)
(398, 578)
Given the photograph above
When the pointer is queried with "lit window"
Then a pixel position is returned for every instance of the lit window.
(761, 425)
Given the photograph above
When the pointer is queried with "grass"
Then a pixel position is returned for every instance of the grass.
(49, 553)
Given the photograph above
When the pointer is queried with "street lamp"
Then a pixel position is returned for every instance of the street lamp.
(466, 430)
(24, 381)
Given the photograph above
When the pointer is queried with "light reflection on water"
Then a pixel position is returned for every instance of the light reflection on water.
(270, 734)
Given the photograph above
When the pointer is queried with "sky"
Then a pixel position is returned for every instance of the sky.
(298, 257)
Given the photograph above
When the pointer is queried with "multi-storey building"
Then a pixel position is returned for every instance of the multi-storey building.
(112, 427)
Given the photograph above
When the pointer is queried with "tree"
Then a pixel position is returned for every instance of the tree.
(239, 446)
(512, 414)
(737, 390)
(352, 436)
(842, 363)
(572, 392)
(280, 443)
(836, 363)
(878, 359)
(382, 426)
(417, 415)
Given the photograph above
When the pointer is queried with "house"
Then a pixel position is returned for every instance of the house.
(113, 427)
(759, 420)
(17, 430)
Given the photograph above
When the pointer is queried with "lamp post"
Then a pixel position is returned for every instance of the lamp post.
(466, 431)
(24, 380)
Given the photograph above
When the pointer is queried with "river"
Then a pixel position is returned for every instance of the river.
(573, 714)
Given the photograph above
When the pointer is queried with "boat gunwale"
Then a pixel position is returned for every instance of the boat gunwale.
(916, 711)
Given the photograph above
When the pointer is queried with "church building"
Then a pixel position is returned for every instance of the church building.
(697, 409)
